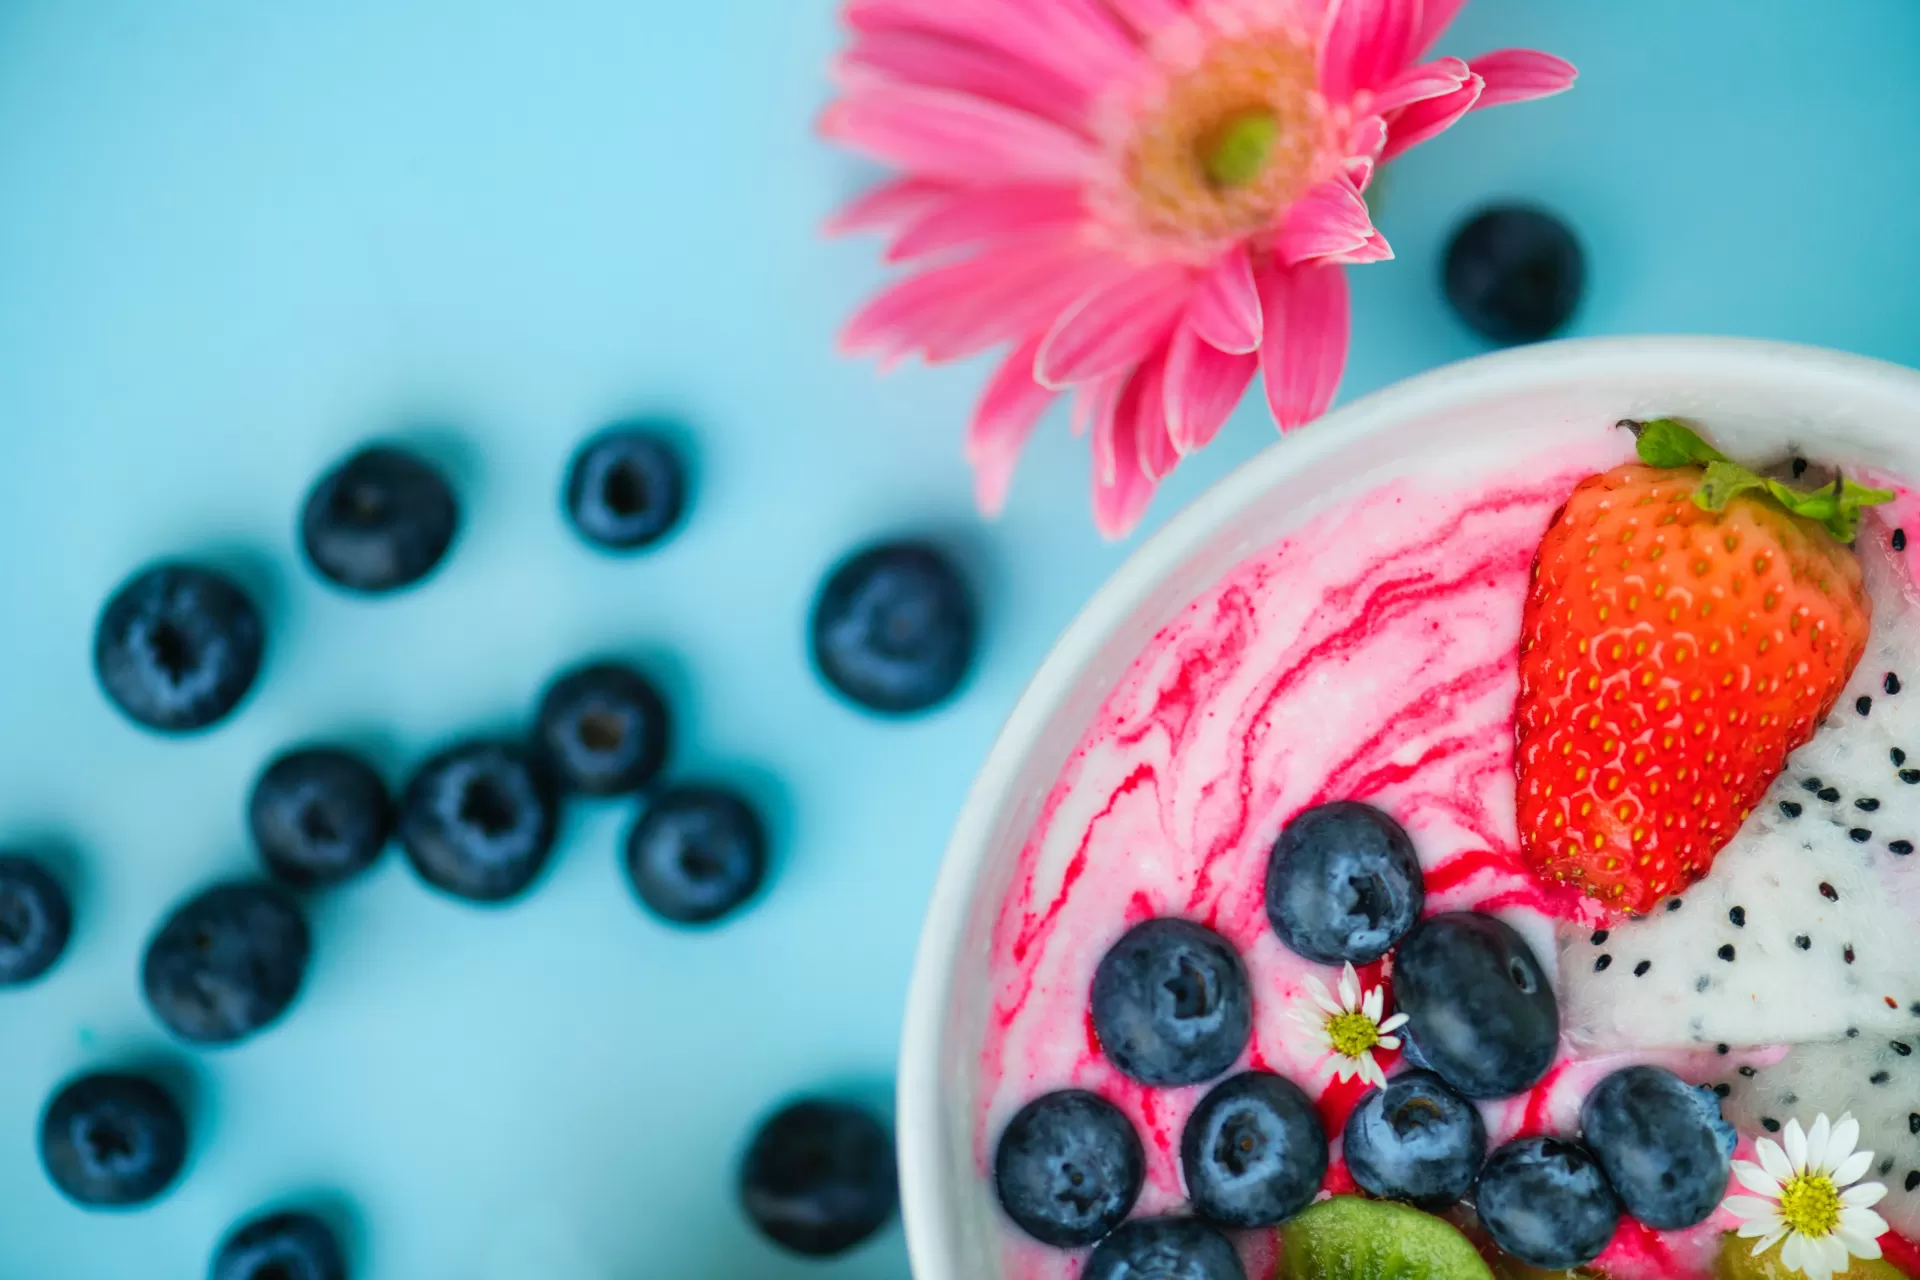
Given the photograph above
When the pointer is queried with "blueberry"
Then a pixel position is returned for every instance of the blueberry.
(1068, 1168)
(319, 816)
(35, 920)
(1253, 1151)
(1515, 274)
(818, 1177)
(893, 628)
(696, 854)
(1416, 1140)
(1547, 1202)
(1343, 883)
(1478, 1003)
(379, 521)
(1165, 1249)
(1662, 1143)
(626, 489)
(226, 963)
(177, 647)
(112, 1141)
(603, 729)
(281, 1246)
(1170, 1003)
(478, 820)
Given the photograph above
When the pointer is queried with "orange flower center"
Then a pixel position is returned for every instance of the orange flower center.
(1231, 143)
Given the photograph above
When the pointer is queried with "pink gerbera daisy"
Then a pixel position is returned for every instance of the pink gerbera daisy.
(1148, 199)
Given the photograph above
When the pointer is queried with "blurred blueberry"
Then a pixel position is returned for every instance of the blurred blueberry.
(603, 729)
(626, 489)
(478, 820)
(894, 628)
(818, 1177)
(379, 521)
(697, 854)
(178, 647)
(319, 816)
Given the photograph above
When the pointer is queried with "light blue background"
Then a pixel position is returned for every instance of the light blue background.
(236, 238)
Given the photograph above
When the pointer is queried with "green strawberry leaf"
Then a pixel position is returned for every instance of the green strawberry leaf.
(1668, 443)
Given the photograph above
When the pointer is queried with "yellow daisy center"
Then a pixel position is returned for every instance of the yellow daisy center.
(1810, 1204)
(1352, 1034)
(1230, 144)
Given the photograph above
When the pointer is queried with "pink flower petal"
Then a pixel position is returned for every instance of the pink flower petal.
(943, 62)
(943, 134)
(1004, 292)
(1305, 350)
(1520, 75)
(1203, 386)
(1226, 308)
(1113, 327)
(1367, 43)
(1094, 404)
(1376, 249)
(1148, 16)
(1331, 219)
(1430, 119)
(1089, 30)
(1009, 409)
(1435, 17)
(979, 214)
(1005, 25)
(1368, 137)
(1121, 490)
(1146, 398)
(1417, 84)
(889, 206)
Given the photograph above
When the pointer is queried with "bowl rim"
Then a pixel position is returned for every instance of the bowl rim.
(920, 1108)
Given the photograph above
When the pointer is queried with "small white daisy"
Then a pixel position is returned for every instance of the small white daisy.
(1350, 1026)
(1806, 1196)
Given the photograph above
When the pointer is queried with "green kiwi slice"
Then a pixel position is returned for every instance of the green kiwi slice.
(1347, 1238)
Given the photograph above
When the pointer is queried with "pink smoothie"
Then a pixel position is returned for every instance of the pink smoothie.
(1369, 656)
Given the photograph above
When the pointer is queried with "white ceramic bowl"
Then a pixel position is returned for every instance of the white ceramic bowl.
(1756, 396)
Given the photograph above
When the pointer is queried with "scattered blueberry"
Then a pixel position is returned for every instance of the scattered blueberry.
(1416, 1140)
(478, 820)
(1662, 1144)
(226, 963)
(1514, 274)
(1547, 1202)
(1343, 883)
(818, 1177)
(696, 854)
(1478, 1003)
(112, 1141)
(35, 920)
(281, 1246)
(177, 647)
(626, 489)
(1068, 1168)
(1253, 1151)
(1165, 1249)
(603, 729)
(319, 816)
(1171, 1004)
(893, 628)
(379, 521)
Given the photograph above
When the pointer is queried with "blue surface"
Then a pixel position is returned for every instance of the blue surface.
(237, 238)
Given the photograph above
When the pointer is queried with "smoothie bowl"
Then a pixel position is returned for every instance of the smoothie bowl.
(1472, 837)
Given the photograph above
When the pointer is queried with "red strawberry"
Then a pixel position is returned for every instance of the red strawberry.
(1689, 624)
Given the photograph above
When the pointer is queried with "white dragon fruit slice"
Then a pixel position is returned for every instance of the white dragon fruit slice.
(1876, 1078)
(1809, 922)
